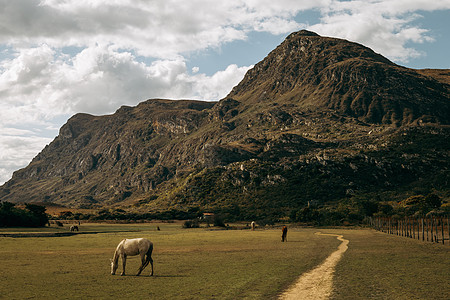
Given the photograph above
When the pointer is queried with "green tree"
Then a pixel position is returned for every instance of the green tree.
(38, 216)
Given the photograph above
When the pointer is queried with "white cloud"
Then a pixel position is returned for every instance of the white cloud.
(152, 28)
(111, 42)
(383, 25)
(213, 87)
(16, 150)
(36, 85)
(166, 29)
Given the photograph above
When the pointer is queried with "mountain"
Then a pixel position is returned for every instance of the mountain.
(318, 72)
(320, 120)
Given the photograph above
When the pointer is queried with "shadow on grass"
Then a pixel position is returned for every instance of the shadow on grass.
(294, 241)
(169, 276)
(154, 276)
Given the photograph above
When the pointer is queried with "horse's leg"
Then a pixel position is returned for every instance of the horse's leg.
(149, 258)
(143, 264)
(124, 262)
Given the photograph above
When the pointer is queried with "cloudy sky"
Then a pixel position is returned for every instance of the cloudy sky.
(61, 57)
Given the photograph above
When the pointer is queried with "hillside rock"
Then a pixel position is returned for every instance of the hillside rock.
(319, 72)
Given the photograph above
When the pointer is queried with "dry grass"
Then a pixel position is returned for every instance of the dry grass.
(382, 266)
(205, 264)
(194, 263)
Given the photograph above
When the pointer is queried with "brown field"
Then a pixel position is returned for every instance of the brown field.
(219, 264)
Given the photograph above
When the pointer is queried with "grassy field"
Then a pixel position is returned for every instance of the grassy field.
(218, 264)
(194, 263)
(381, 266)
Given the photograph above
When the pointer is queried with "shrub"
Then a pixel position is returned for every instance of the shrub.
(191, 224)
(218, 221)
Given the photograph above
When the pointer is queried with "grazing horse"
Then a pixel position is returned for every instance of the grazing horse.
(74, 228)
(284, 234)
(131, 247)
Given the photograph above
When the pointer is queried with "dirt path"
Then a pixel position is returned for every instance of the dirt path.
(317, 283)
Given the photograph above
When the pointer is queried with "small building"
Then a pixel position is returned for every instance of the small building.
(208, 216)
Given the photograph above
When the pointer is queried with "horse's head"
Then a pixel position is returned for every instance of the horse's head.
(113, 267)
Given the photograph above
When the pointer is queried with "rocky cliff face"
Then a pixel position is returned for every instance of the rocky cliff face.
(316, 72)
(319, 119)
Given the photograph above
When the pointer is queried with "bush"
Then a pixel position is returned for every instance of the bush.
(191, 224)
(218, 221)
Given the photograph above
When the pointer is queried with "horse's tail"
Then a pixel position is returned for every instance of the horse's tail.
(150, 250)
(149, 257)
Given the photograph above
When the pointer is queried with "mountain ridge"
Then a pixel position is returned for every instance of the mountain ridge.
(337, 74)
(345, 122)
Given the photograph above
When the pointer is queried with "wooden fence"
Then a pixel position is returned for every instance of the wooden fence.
(434, 229)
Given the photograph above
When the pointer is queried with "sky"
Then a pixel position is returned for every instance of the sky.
(62, 57)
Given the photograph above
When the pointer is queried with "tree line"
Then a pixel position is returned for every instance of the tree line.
(349, 211)
(31, 216)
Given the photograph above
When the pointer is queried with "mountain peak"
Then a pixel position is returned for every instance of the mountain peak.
(317, 73)
(302, 33)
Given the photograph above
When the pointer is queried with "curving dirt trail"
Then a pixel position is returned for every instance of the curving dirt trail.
(317, 283)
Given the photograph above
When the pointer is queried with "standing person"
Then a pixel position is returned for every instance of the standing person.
(284, 234)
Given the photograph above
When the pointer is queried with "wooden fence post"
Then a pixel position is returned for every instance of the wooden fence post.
(436, 226)
(405, 228)
(432, 230)
(418, 230)
(396, 227)
(423, 231)
(401, 227)
(435, 222)
(408, 226)
(448, 228)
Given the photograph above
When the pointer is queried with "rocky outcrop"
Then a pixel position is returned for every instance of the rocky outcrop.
(327, 73)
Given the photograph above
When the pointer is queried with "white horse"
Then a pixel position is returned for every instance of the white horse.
(131, 247)
(253, 225)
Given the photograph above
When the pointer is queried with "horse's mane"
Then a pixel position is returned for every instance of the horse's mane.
(119, 248)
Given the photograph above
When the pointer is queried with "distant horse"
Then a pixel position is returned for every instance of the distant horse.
(284, 234)
(253, 225)
(131, 247)
(74, 228)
